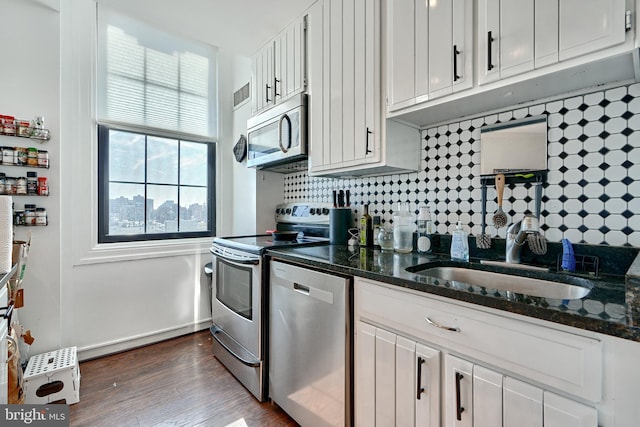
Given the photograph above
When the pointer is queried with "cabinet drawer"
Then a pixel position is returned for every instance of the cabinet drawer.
(546, 355)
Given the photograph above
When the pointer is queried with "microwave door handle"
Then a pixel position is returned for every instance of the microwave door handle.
(282, 119)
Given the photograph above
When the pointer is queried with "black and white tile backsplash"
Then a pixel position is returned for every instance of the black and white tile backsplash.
(593, 190)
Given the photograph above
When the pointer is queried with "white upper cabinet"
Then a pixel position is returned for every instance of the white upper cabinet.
(353, 138)
(491, 48)
(429, 50)
(590, 25)
(279, 67)
(517, 36)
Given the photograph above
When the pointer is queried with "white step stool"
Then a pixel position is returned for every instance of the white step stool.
(53, 377)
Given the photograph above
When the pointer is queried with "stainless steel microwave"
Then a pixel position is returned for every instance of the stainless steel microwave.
(277, 138)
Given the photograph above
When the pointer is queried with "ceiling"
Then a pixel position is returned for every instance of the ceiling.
(239, 26)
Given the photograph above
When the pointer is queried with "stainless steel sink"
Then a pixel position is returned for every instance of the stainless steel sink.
(521, 284)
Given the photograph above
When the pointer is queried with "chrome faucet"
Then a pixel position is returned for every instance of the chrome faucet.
(517, 236)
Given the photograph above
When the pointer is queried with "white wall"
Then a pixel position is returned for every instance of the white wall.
(29, 76)
(78, 293)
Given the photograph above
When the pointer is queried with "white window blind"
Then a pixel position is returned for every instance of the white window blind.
(153, 79)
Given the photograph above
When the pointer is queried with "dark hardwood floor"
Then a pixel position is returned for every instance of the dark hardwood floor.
(173, 383)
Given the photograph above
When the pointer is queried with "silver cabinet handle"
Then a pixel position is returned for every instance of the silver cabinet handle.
(437, 325)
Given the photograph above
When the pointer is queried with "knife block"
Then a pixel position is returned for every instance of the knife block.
(340, 221)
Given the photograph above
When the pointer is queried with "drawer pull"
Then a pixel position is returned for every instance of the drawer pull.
(437, 325)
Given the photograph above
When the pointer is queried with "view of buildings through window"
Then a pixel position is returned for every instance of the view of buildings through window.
(156, 185)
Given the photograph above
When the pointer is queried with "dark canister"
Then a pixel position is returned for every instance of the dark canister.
(340, 221)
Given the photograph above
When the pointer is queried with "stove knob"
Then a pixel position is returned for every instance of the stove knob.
(288, 211)
(325, 211)
(312, 211)
(278, 211)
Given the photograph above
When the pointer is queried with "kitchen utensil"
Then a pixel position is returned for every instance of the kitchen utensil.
(483, 240)
(499, 218)
(537, 242)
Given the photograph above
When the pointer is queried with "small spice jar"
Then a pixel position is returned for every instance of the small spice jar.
(43, 158)
(41, 216)
(7, 155)
(21, 186)
(29, 214)
(8, 125)
(20, 156)
(32, 183)
(23, 128)
(11, 185)
(43, 186)
(32, 156)
(18, 218)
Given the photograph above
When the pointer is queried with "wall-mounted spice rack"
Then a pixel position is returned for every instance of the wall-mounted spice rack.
(10, 126)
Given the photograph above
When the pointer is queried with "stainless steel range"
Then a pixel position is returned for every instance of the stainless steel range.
(239, 300)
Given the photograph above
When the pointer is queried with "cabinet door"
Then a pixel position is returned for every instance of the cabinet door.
(365, 375)
(440, 48)
(406, 382)
(367, 137)
(385, 378)
(289, 61)
(427, 390)
(462, 45)
(417, 384)
(488, 40)
(522, 404)
(263, 77)
(487, 397)
(401, 52)
(516, 37)
(458, 393)
(562, 412)
(421, 24)
(335, 84)
(444, 48)
(590, 25)
(546, 33)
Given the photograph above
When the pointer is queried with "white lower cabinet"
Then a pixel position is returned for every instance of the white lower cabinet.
(414, 366)
(397, 380)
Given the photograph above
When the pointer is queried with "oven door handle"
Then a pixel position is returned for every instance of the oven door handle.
(238, 260)
(221, 337)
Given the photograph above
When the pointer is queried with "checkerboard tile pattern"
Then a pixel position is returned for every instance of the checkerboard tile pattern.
(593, 180)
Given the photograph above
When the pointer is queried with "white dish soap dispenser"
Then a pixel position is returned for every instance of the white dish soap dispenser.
(459, 244)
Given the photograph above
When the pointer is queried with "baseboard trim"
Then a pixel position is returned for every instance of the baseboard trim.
(129, 343)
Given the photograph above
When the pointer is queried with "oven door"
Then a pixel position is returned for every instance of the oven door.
(237, 297)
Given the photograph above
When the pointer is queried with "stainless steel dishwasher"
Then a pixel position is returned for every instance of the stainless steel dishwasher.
(310, 345)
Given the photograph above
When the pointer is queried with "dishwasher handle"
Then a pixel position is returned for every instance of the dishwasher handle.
(301, 288)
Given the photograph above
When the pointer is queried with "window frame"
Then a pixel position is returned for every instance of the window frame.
(103, 130)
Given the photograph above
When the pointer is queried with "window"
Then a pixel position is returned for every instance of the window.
(153, 187)
(157, 127)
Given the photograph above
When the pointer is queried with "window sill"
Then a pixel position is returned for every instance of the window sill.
(131, 251)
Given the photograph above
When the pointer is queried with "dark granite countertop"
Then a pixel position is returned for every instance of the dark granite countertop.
(606, 309)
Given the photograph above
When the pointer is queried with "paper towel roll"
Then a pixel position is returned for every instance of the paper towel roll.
(6, 233)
